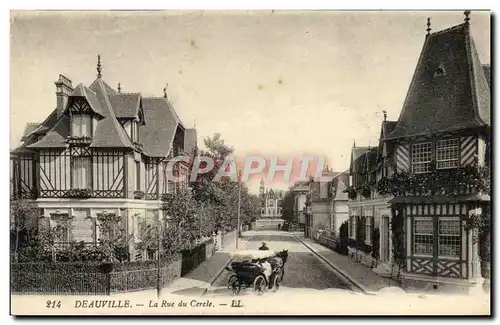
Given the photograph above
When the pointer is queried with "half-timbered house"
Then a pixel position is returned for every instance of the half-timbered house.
(369, 209)
(101, 151)
(442, 143)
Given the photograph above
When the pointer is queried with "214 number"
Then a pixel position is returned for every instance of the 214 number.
(53, 304)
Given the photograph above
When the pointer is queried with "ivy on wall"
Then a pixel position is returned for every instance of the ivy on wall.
(437, 181)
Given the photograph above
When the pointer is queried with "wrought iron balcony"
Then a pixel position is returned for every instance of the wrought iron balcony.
(78, 140)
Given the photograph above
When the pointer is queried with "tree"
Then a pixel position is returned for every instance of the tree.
(113, 239)
(287, 206)
(23, 218)
(180, 219)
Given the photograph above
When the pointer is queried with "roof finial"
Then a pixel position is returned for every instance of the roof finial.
(354, 144)
(99, 67)
(467, 13)
(119, 88)
(428, 26)
(385, 115)
(165, 90)
(194, 123)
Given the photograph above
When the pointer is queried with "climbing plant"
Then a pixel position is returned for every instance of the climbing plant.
(398, 239)
(437, 181)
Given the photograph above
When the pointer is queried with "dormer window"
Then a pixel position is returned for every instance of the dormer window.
(440, 71)
(81, 125)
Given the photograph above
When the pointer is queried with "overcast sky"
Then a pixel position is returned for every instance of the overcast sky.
(282, 83)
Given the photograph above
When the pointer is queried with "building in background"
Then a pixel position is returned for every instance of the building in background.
(101, 152)
(300, 207)
(328, 204)
(271, 210)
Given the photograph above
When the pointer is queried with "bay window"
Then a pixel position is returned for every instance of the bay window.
(449, 237)
(423, 236)
(421, 156)
(81, 125)
(447, 153)
(82, 172)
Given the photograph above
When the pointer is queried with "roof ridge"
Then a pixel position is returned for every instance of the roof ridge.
(120, 94)
(449, 29)
(473, 60)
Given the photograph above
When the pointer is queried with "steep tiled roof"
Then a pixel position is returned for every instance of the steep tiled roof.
(371, 155)
(89, 95)
(109, 132)
(158, 133)
(487, 74)
(190, 140)
(342, 184)
(32, 138)
(46, 125)
(56, 137)
(28, 129)
(358, 157)
(125, 105)
(388, 127)
(358, 152)
(449, 90)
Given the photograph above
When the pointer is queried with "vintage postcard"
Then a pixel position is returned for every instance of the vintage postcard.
(265, 162)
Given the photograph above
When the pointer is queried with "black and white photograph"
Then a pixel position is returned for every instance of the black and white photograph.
(250, 162)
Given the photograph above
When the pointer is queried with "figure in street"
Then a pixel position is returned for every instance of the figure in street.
(263, 247)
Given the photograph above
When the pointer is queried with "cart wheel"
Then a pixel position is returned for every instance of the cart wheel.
(234, 285)
(259, 284)
(276, 283)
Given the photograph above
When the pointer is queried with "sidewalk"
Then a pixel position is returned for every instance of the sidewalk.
(200, 279)
(358, 273)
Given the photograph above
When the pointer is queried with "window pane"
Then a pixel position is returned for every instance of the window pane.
(422, 236)
(447, 153)
(449, 227)
(82, 174)
(449, 237)
(76, 125)
(422, 226)
(421, 157)
(86, 125)
(422, 245)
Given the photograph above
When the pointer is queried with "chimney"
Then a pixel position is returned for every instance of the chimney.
(63, 89)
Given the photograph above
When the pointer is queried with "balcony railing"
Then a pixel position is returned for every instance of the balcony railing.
(78, 140)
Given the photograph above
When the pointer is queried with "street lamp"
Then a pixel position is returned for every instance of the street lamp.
(239, 208)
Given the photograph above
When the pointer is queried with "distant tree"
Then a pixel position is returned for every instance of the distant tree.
(287, 205)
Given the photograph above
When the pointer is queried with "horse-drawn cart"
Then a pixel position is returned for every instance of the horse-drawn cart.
(260, 270)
